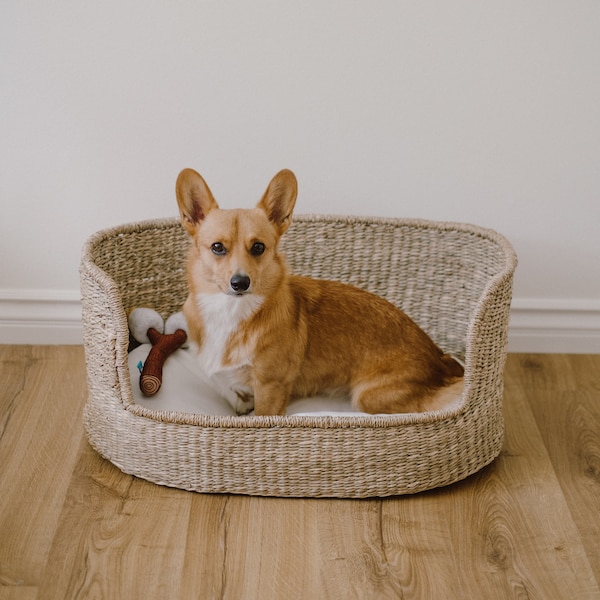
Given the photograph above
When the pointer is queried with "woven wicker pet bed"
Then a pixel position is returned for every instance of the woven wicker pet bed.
(454, 280)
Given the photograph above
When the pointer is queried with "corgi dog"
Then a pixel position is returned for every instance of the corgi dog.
(264, 336)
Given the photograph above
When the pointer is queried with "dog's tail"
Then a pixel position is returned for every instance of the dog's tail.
(452, 367)
(450, 394)
(447, 397)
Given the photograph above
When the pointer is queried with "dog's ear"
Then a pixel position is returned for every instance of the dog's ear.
(194, 198)
(279, 200)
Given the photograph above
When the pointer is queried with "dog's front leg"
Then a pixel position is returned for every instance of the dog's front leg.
(271, 398)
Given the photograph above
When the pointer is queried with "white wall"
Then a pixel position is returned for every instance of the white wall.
(468, 111)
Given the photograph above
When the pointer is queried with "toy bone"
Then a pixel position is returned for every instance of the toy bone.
(147, 326)
(163, 345)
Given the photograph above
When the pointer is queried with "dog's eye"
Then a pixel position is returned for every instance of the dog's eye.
(218, 249)
(257, 249)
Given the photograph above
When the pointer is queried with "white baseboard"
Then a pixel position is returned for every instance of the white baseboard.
(569, 326)
(40, 317)
(536, 325)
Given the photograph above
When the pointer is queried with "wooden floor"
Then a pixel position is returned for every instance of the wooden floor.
(73, 526)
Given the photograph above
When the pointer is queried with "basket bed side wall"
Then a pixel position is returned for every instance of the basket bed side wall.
(215, 455)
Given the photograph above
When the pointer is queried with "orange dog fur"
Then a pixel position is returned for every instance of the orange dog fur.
(264, 336)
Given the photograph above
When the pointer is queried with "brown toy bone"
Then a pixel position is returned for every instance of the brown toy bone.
(163, 345)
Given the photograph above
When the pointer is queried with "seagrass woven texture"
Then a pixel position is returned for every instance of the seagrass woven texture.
(454, 280)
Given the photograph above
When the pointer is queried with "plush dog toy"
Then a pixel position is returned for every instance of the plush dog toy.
(147, 327)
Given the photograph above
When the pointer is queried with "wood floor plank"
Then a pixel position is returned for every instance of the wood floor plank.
(273, 535)
(586, 372)
(287, 548)
(355, 545)
(18, 593)
(418, 548)
(41, 400)
(129, 540)
(208, 543)
(569, 422)
(513, 530)
(533, 372)
(271, 548)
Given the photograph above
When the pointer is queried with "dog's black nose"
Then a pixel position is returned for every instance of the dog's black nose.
(240, 283)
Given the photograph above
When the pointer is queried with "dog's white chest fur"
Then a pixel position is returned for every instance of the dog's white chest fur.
(222, 316)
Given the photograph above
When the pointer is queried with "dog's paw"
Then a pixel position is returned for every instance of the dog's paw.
(244, 403)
